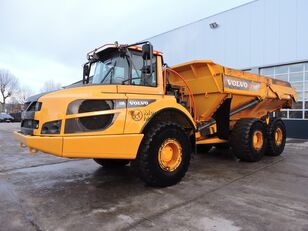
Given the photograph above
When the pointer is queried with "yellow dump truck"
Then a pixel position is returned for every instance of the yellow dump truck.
(133, 108)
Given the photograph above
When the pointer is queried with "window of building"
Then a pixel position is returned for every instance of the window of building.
(297, 75)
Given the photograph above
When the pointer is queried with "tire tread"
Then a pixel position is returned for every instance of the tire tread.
(143, 161)
(240, 140)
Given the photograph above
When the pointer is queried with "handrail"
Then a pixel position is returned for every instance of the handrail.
(192, 106)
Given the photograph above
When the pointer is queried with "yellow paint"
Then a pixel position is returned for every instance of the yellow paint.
(170, 155)
(257, 140)
(206, 80)
(51, 145)
(111, 146)
(197, 135)
(162, 102)
(123, 137)
(85, 146)
(278, 136)
(267, 120)
(213, 140)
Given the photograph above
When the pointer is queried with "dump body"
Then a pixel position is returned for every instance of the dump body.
(211, 84)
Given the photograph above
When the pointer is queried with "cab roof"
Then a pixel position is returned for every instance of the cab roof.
(111, 46)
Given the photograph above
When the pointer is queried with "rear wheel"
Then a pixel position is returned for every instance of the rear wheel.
(248, 139)
(276, 137)
(111, 163)
(164, 155)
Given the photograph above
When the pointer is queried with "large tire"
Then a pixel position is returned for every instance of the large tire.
(248, 139)
(204, 148)
(111, 163)
(158, 167)
(276, 137)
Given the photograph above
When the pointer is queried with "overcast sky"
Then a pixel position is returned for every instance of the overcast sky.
(44, 40)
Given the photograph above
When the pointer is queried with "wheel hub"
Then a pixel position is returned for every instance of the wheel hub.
(257, 140)
(278, 136)
(170, 155)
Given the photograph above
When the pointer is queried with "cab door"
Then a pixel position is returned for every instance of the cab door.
(142, 92)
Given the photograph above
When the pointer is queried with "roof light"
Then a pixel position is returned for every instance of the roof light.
(213, 25)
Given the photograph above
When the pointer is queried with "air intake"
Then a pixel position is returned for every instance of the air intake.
(95, 105)
(89, 123)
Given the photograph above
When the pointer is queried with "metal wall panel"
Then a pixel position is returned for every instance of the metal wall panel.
(261, 33)
(297, 128)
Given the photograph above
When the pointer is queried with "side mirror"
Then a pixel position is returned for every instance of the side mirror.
(147, 51)
(86, 72)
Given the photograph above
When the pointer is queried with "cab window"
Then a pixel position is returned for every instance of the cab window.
(128, 69)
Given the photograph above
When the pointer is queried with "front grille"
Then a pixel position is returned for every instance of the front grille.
(28, 124)
(88, 123)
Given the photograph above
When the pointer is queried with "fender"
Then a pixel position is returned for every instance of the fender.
(181, 118)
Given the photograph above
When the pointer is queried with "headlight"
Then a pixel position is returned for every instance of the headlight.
(52, 127)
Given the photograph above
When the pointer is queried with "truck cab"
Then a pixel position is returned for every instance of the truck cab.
(105, 118)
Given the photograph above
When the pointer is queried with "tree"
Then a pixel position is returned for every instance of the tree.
(23, 93)
(50, 85)
(8, 86)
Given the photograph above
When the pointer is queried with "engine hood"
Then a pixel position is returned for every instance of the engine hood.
(79, 92)
(36, 97)
(87, 91)
(54, 104)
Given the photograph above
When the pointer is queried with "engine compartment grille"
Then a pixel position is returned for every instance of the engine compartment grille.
(28, 123)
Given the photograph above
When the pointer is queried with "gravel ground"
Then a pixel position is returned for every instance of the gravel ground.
(43, 192)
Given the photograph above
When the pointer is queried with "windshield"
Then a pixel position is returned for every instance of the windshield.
(129, 69)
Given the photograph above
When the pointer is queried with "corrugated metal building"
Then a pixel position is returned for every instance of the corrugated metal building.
(268, 37)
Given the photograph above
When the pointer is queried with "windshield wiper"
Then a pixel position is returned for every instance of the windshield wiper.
(109, 71)
(130, 79)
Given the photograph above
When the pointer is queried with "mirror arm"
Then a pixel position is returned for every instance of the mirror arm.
(151, 60)
(85, 76)
(132, 62)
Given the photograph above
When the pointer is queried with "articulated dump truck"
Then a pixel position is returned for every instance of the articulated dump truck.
(133, 108)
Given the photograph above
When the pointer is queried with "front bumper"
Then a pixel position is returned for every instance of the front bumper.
(107, 146)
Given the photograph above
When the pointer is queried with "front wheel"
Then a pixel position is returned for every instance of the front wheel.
(164, 155)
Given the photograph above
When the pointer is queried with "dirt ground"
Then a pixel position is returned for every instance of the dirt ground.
(43, 192)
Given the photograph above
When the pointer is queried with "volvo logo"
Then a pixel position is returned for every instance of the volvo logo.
(236, 83)
(241, 84)
(139, 102)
